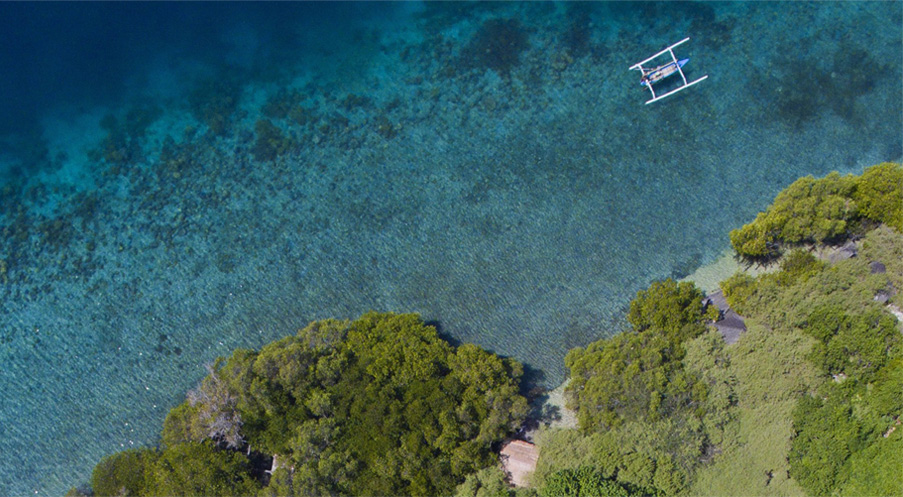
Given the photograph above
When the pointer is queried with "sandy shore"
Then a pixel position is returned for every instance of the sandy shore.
(550, 411)
(707, 277)
(566, 418)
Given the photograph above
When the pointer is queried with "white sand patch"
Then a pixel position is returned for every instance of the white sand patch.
(567, 418)
(708, 276)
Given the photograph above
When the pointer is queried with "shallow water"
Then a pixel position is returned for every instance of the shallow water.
(517, 194)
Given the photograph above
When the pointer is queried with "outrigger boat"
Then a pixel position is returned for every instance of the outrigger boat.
(652, 75)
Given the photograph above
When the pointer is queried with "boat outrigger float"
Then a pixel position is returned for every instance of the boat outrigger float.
(655, 74)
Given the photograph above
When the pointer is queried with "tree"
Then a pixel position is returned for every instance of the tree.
(818, 210)
(377, 406)
(123, 473)
(183, 423)
(884, 397)
(674, 309)
(797, 267)
(808, 210)
(487, 482)
(212, 408)
(875, 471)
(638, 375)
(879, 194)
(738, 290)
(629, 377)
(854, 345)
(200, 469)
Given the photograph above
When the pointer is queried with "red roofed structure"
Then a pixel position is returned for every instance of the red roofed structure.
(519, 460)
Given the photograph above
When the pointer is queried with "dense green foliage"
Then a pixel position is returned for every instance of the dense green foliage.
(647, 414)
(879, 194)
(875, 470)
(809, 210)
(800, 405)
(828, 209)
(582, 482)
(377, 406)
(652, 456)
(638, 375)
(490, 482)
(629, 377)
(200, 469)
(848, 413)
(183, 469)
(884, 245)
(123, 473)
(784, 300)
(672, 310)
(856, 348)
(826, 435)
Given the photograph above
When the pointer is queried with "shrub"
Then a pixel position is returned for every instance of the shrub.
(825, 436)
(884, 397)
(673, 309)
(854, 345)
(797, 267)
(758, 239)
(738, 291)
(820, 210)
(183, 424)
(377, 406)
(629, 377)
(879, 194)
(875, 471)
(582, 482)
(487, 482)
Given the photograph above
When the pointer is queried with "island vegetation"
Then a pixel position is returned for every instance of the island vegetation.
(825, 210)
(376, 406)
(807, 402)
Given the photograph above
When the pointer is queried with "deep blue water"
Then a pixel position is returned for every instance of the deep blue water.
(490, 166)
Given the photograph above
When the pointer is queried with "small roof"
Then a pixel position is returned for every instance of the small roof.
(731, 324)
(519, 460)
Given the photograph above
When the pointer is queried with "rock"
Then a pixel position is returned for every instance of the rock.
(846, 251)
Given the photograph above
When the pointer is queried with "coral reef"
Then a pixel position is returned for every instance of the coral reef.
(124, 140)
(214, 103)
(497, 45)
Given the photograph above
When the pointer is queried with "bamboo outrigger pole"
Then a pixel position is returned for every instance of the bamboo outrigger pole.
(656, 74)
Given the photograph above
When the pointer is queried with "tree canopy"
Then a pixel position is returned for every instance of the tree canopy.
(376, 406)
(646, 414)
(637, 375)
(817, 210)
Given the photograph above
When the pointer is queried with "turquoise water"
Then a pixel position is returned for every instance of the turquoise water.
(490, 166)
